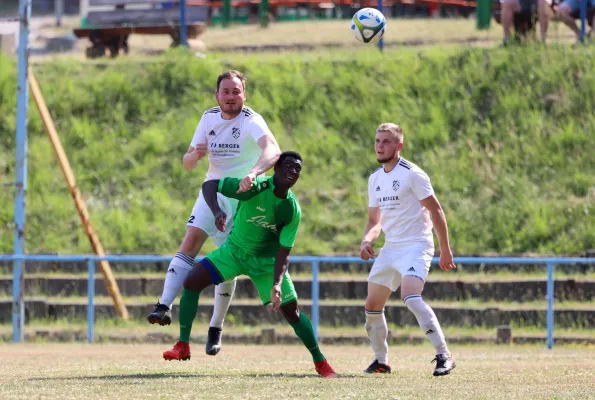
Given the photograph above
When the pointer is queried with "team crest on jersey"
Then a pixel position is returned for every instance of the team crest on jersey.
(396, 185)
(235, 132)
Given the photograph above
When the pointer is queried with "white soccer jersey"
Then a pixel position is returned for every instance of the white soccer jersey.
(232, 144)
(398, 194)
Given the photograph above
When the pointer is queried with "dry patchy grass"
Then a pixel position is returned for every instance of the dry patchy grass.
(259, 372)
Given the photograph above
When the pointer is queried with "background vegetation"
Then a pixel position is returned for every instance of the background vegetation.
(506, 136)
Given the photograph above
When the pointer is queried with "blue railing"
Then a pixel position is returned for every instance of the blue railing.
(17, 291)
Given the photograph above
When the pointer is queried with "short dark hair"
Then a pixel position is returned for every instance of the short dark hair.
(230, 75)
(286, 154)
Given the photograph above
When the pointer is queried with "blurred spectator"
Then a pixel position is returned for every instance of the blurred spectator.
(521, 13)
(567, 12)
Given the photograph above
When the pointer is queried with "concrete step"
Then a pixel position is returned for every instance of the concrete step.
(522, 290)
(331, 313)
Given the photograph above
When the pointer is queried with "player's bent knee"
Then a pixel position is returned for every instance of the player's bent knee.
(374, 304)
(291, 312)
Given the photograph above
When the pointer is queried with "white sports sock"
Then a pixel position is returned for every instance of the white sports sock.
(223, 295)
(427, 321)
(179, 268)
(378, 332)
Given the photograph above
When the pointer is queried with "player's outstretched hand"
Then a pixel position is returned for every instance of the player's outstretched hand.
(446, 260)
(276, 297)
(366, 251)
(247, 182)
(220, 220)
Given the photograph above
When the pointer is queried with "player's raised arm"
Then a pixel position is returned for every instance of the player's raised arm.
(198, 146)
(209, 191)
(268, 158)
(193, 156)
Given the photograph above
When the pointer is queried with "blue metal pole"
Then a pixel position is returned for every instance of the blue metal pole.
(381, 41)
(550, 305)
(583, 10)
(315, 296)
(91, 297)
(183, 26)
(18, 305)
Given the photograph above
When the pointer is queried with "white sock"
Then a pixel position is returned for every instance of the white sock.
(427, 321)
(223, 295)
(378, 332)
(179, 268)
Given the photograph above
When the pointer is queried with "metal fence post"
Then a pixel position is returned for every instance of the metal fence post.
(91, 305)
(59, 11)
(183, 26)
(226, 13)
(315, 295)
(18, 305)
(550, 305)
(583, 15)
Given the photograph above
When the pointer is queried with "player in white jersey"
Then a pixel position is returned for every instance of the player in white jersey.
(402, 204)
(239, 145)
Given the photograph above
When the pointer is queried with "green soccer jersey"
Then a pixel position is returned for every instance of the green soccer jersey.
(263, 222)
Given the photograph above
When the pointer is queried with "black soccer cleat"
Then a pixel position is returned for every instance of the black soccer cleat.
(213, 341)
(377, 368)
(444, 364)
(161, 315)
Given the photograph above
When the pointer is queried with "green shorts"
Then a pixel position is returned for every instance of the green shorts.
(229, 261)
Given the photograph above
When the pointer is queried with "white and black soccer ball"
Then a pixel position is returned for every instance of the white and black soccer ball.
(368, 25)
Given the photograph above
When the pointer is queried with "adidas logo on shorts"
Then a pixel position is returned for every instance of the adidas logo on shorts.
(411, 269)
(378, 189)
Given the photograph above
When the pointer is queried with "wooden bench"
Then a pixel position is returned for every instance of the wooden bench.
(110, 22)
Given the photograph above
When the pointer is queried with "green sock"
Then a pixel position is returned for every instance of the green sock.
(188, 307)
(304, 330)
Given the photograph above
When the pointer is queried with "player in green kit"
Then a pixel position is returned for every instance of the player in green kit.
(264, 232)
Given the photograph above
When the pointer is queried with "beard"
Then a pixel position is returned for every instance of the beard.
(231, 108)
(386, 158)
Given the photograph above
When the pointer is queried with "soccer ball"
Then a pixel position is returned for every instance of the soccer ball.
(368, 25)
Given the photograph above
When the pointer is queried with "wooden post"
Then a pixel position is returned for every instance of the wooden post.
(503, 334)
(267, 336)
(50, 129)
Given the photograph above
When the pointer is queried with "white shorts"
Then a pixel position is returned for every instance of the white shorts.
(203, 218)
(392, 265)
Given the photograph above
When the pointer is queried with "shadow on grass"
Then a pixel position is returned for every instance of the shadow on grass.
(167, 375)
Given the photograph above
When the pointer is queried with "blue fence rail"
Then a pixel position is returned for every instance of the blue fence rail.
(17, 291)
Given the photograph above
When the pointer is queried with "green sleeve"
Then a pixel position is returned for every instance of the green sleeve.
(289, 231)
(229, 186)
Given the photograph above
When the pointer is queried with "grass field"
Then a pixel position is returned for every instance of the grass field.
(259, 372)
